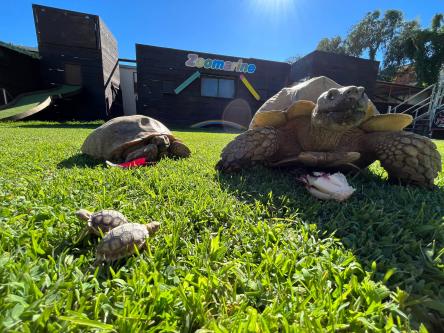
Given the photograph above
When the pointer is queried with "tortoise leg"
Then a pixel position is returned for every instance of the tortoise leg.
(151, 152)
(248, 148)
(319, 159)
(135, 154)
(178, 149)
(407, 157)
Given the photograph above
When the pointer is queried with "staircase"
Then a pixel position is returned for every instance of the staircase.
(424, 111)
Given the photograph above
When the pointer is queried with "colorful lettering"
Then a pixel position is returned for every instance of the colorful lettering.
(208, 63)
(239, 66)
(243, 68)
(192, 58)
(200, 62)
(218, 64)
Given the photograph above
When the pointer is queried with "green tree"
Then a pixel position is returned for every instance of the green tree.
(422, 48)
(374, 33)
(334, 45)
(437, 21)
(426, 49)
(401, 43)
(395, 55)
(398, 49)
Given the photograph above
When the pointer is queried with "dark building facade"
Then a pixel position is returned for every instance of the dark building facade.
(186, 87)
(345, 70)
(19, 70)
(78, 49)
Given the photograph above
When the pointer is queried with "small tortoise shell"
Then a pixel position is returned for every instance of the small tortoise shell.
(105, 221)
(121, 241)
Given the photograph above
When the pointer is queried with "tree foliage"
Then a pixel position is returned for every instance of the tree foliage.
(334, 45)
(374, 32)
(437, 21)
(426, 50)
(396, 51)
(423, 48)
(401, 43)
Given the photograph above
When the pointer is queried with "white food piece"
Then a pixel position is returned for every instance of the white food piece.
(328, 187)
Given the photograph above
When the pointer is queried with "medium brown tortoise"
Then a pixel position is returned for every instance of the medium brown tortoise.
(126, 138)
(322, 125)
(123, 241)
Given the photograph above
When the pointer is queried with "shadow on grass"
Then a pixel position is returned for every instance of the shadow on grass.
(79, 161)
(60, 125)
(210, 130)
(398, 227)
(97, 123)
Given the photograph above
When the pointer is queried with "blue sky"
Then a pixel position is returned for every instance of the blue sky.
(265, 29)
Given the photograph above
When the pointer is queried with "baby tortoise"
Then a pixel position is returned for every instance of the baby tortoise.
(123, 240)
(101, 222)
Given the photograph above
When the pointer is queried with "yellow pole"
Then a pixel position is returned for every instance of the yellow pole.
(249, 87)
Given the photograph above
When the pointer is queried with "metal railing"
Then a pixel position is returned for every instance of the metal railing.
(411, 98)
(437, 102)
(422, 116)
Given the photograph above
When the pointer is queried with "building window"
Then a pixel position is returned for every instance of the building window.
(213, 87)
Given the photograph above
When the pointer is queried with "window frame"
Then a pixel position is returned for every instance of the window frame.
(217, 77)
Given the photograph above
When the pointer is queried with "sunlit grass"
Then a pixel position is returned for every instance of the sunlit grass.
(251, 252)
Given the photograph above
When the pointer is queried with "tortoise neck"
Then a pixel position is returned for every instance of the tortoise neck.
(323, 139)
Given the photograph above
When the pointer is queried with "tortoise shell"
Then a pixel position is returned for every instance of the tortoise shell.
(300, 100)
(105, 220)
(122, 241)
(116, 137)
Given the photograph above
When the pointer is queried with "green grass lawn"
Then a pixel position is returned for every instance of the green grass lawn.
(251, 252)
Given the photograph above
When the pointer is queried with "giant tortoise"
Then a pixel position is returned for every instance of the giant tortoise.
(322, 125)
(126, 138)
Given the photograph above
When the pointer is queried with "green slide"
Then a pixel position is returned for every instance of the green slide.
(29, 103)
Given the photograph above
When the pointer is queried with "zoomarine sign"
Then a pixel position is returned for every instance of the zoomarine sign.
(230, 66)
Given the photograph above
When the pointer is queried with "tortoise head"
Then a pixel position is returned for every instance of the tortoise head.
(83, 214)
(152, 227)
(340, 109)
(162, 142)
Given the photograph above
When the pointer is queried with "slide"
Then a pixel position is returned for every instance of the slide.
(27, 104)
